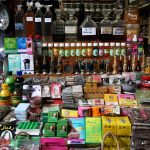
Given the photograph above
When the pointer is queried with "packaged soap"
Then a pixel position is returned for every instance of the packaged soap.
(21, 44)
(93, 130)
(53, 116)
(62, 128)
(108, 124)
(77, 132)
(10, 45)
(49, 129)
(110, 99)
(123, 126)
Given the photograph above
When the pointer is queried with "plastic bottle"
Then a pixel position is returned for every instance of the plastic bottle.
(4, 95)
(16, 96)
(25, 94)
(47, 24)
(10, 80)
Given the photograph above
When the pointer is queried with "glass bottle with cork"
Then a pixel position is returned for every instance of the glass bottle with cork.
(19, 22)
(47, 24)
(38, 19)
(88, 29)
(71, 29)
(58, 29)
(29, 21)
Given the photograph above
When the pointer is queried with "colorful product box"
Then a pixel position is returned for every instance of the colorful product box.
(69, 113)
(14, 62)
(110, 99)
(127, 100)
(21, 43)
(10, 45)
(49, 129)
(62, 128)
(109, 124)
(93, 130)
(27, 65)
(123, 126)
(77, 133)
(53, 116)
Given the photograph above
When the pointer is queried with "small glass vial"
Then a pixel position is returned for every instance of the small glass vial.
(123, 49)
(112, 49)
(95, 49)
(50, 49)
(73, 49)
(61, 49)
(56, 49)
(106, 49)
(78, 49)
(67, 49)
(101, 49)
(90, 50)
(118, 49)
(84, 49)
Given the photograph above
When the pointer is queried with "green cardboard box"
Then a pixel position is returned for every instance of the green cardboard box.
(49, 129)
(62, 128)
(10, 45)
(53, 116)
(93, 130)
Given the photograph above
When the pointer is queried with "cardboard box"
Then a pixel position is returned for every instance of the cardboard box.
(49, 129)
(62, 128)
(14, 62)
(93, 130)
(110, 99)
(53, 116)
(27, 62)
(10, 45)
(77, 133)
(123, 126)
(69, 113)
(109, 124)
(21, 44)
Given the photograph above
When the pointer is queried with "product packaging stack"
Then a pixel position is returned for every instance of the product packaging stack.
(119, 127)
(77, 92)
(21, 111)
(140, 119)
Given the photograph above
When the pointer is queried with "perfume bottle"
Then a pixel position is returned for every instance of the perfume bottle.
(29, 21)
(129, 67)
(118, 24)
(19, 22)
(71, 29)
(120, 65)
(47, 24)
(58, 29)
(106, 24)
(138, 65)
(44, 63)
(38, 19)
(88, 29)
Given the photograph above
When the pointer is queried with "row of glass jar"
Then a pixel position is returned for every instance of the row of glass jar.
(85, 49)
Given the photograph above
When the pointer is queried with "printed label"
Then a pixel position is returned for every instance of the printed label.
(106, 30)
(88, 31)
(19, 26)
(118, 31)
(133, 17)
(70, 29)
(38, 19)
(48, 19)
(29, 18)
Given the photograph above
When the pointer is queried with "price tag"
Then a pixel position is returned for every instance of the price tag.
(70, 29)
(88, 31)
(38, 19)
(106, 30)
(48, 19)
(29, 18)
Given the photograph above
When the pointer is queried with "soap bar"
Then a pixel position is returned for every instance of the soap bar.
(22, 108)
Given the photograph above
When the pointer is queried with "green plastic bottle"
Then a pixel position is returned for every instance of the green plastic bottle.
(10, 80)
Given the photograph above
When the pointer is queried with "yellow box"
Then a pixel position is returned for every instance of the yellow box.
(108, 124)
(111, 99)
(69, 113)
(123, 126)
